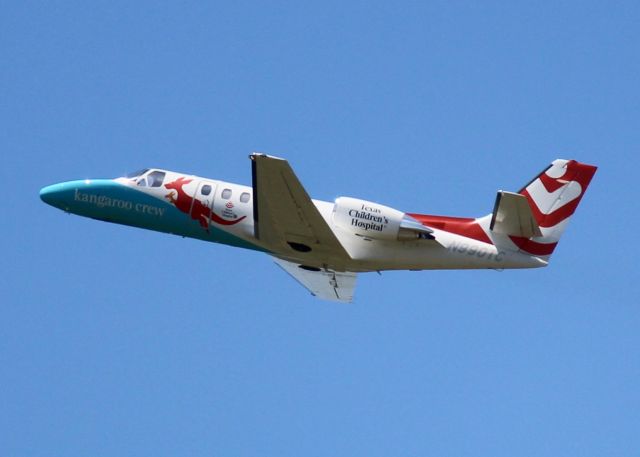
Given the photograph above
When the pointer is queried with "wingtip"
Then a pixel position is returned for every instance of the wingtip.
(262, 155)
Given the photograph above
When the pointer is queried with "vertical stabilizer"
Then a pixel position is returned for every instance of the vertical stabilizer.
(553, 197)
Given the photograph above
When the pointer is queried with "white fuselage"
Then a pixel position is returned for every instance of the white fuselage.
(451, 251)
(219, 211)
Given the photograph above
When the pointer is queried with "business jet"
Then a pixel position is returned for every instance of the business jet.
(324, 245)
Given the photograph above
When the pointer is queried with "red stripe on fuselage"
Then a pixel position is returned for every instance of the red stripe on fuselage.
(464, 226)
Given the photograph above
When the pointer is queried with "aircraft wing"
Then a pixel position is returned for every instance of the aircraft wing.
(285, 218)
(325, 284)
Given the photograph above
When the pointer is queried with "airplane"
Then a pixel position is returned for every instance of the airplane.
(324, 245)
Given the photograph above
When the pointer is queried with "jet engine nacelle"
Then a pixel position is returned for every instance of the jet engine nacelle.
(372, 220)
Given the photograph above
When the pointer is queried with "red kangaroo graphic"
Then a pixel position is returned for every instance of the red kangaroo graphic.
(183, 202)
(197, 210)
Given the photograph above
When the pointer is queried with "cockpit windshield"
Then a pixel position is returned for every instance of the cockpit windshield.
(155, 178)
(135, 174)
(147, 177)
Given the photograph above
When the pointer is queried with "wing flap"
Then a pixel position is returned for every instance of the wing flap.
(512, 215)
(325, 284)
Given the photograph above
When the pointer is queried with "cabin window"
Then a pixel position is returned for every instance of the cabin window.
(226, 194)
(155, 178)
(206, 189)
(244, 198)
(142, 182)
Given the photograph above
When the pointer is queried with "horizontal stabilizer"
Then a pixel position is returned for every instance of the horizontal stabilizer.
(512, 215)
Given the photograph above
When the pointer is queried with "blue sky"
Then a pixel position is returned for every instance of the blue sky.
(117, 341)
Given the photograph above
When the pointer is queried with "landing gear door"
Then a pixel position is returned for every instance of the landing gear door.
(203, 201)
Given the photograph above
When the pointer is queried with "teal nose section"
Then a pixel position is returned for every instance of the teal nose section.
(71, 196)
(59, 195)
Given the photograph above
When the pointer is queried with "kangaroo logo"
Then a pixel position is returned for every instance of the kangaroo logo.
(192, 206)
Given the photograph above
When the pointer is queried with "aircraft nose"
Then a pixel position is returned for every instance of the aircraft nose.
(79, 196)
(57, 195)
(50, 194)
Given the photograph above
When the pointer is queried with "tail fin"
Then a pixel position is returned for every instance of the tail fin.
(553, 196)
